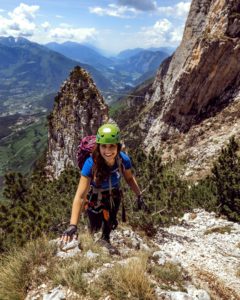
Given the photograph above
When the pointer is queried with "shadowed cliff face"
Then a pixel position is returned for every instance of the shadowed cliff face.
(192, 108)
(79, 110)
(203, 74)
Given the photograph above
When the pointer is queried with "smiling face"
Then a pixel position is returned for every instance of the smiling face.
(109, 152)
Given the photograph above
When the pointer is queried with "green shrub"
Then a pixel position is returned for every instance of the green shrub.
(41, 207)
(168, 275)
(203, 194)
(167, 196)
(226, 175)
(36, 205)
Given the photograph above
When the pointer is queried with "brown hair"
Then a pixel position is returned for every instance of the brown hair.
(101, 171)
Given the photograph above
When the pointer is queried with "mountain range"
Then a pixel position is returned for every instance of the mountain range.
(126, 70)
(81, 53)
(125, 54)
(88, 55)
(190, 109)
(31, 74)
(30, 71)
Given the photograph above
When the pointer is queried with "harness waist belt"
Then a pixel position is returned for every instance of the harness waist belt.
(100, 190)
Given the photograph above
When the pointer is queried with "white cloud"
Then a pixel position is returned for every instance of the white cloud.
(181, 9)
(162, 33)
(62, 34)
(20, 21)
(24, 11)
(59, 16)
(143, 5)
(114, 11)
(46, 26)
(176, 35)
(130, 8)
(162, 26)
(156, 34)
(65, 25)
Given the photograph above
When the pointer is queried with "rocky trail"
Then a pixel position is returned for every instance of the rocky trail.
(206, 250)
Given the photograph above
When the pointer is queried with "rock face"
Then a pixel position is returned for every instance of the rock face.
(203, 74)
(193, 106)
(79, 110)
(208, 248)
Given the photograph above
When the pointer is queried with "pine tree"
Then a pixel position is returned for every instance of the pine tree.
(37, 208)
(15, 187)
(226, 175)
(202, 194)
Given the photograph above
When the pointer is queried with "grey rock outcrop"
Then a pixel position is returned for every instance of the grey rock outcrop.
(203, 248)
(79, 110)
(192, 108)
(203, 74)
(206, 246)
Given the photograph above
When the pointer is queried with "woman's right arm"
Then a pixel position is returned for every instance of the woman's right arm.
(79, 199)
(77, 208)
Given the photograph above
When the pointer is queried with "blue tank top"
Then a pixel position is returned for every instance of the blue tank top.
(115, 172)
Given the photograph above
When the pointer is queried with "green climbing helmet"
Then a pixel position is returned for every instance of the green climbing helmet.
(108, 134)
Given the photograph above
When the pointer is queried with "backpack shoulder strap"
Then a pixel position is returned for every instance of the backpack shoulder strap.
(121, 167)
(120, 164)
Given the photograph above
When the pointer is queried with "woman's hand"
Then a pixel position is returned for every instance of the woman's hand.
(141, 204)
(69, 234)
(77, 207)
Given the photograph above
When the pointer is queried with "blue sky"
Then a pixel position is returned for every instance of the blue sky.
(111, 25)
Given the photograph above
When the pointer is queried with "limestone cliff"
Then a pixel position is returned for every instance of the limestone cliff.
(79, 110)
(204, 71)
(198, 83)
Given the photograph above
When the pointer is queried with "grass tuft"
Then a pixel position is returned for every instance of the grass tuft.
(127, 281)
(221, 230)
(26, 268)
(87, 243)
(70, 272)
(169, 275)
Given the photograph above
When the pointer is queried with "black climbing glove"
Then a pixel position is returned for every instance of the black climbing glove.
(141, 204)
(71, 231)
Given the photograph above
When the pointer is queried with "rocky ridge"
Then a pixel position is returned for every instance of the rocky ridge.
(208, 248)
(79, 110)
(203, 74)
(201, 145)
(204, 247)
(192, 108)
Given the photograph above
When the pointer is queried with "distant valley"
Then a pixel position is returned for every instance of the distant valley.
(30, 72)
(31, 75)
(124, 71)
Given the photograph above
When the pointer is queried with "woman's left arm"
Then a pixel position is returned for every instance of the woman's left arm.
(131, 181)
